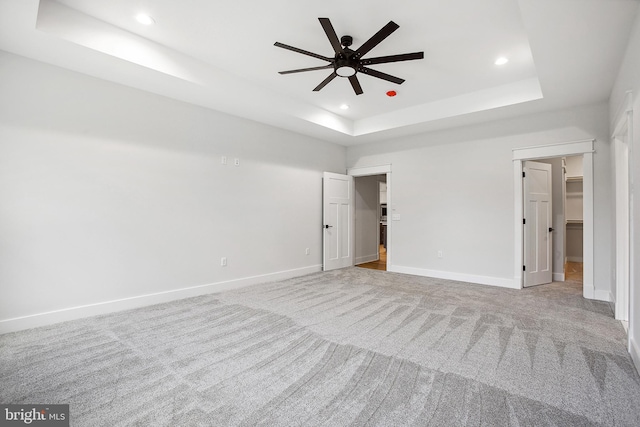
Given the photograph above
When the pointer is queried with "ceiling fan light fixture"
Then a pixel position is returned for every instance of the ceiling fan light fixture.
(345, 71)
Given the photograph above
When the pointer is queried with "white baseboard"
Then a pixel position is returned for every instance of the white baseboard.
(367, 258)
(634, 350)
(460, 277)
(558, 277)
(603, 296)
(589, 292)
(72, 313)
(625, 325)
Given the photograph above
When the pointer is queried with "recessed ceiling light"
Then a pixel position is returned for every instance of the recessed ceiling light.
(501, 61)
(344, 107)
(145, 19)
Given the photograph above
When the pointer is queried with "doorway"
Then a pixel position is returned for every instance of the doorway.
(373, 217)
(579, 148)
(553, 226)
(371, 222)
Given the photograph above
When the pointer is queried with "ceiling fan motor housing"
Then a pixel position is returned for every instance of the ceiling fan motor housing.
(346, 41)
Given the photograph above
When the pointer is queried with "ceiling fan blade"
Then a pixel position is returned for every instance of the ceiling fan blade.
(392, 58)
(376, 39)
(324, 67)
(379, 74)
(331, 34)
(355, 84)
(325, 81)
(304, 52)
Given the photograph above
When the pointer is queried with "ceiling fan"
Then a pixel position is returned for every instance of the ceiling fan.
(347, 63)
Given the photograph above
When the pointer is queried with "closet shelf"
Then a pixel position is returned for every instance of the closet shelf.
(573, 179)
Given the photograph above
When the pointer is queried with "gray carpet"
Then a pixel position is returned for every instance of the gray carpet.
(349, 347)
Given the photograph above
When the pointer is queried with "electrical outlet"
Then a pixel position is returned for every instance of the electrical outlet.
(440, 254)
(223, 261)
(236, 162)
(223, 160)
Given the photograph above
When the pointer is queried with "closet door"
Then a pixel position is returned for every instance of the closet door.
(538, 224)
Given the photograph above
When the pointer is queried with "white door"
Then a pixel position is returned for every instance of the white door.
(538, 224)
(338, 232)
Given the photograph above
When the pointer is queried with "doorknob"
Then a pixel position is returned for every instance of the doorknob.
(550, 229)
(328, 226)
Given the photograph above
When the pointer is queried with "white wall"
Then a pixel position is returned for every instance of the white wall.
(109, 193)
(575, 243)
(629, 80)
(454, 192)
(367, 219)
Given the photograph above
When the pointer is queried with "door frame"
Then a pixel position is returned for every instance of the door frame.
(620, 138)
(378, 170)
(575, 148)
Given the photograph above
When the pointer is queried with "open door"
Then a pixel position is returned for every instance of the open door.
(538, 224)
(338, 232)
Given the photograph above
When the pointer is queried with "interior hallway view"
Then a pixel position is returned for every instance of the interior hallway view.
(380, 264)
(573, 272)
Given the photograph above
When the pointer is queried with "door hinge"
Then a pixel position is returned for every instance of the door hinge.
(524, 220)
(523, 174)
(524, 268)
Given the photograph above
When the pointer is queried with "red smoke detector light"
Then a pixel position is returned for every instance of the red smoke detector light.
(392, 93)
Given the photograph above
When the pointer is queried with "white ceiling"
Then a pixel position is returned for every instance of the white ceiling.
(221, 55)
